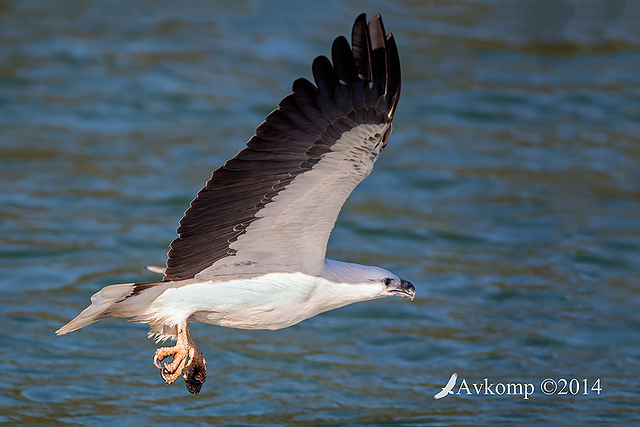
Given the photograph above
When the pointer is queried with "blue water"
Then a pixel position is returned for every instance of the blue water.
(509, 194)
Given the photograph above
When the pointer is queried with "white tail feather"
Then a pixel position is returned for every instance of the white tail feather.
(155, 269)
(101, 303)
(124, 301)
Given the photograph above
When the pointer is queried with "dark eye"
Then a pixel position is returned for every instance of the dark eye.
(387, 281)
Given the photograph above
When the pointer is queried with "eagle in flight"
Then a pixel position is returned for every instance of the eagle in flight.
(250, 251)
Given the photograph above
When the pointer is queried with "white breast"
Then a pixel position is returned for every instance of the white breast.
(272, 301)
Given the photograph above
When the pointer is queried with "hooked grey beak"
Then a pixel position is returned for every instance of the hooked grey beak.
(403, 288)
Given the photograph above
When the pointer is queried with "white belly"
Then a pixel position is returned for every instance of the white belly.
(272, 301)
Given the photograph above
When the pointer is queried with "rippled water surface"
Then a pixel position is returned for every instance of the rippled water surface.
(509, 194)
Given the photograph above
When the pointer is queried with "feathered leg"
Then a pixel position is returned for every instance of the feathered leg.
(187, 359)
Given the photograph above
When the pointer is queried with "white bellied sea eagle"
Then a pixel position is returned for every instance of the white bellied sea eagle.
(250, 251)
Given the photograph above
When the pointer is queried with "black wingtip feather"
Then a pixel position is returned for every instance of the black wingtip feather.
(394, 76)
(361, 46)
(324, 74)
(343, 61)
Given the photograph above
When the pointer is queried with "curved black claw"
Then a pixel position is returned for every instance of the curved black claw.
(195, 374)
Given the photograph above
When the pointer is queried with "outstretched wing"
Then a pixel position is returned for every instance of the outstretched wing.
(273, 206)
